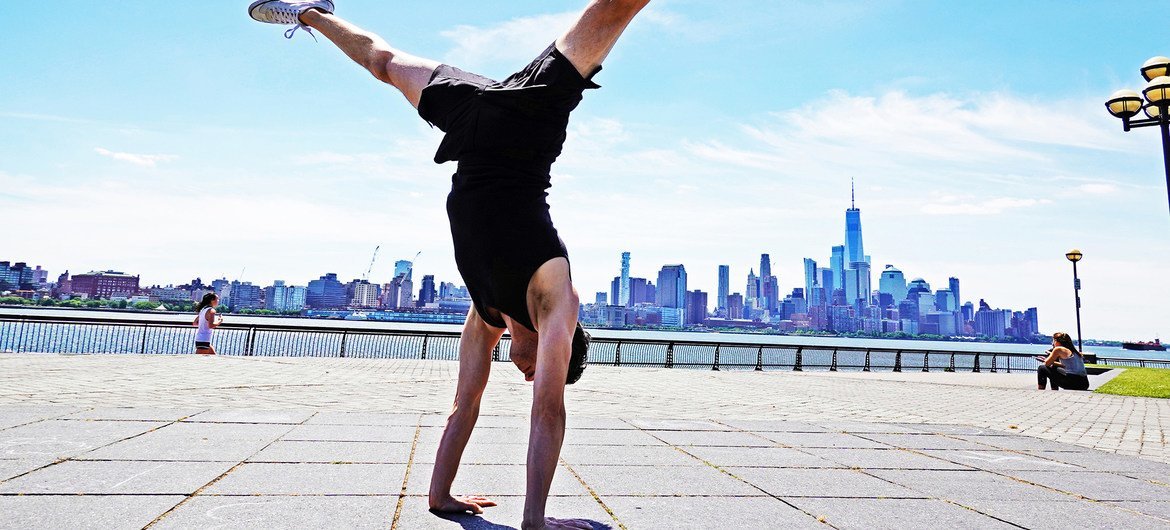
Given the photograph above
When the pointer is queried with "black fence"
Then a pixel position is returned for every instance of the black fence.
(293, 338)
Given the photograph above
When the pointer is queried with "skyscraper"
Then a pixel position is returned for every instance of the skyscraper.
(837, 265)
(892, 282)
(769, 291)
(753, 288)
(954, 284)
(426, 293)
(724, 287)
(325, 293)
(672, 286)
(625, 285)
(853, 247)
(402, 267)
(810, 278)
(696, 309)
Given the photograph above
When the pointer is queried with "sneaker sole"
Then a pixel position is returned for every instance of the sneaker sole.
(258, 3)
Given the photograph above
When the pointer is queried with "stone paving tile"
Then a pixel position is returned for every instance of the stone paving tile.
(678, 425)
(210, 442)
(1098, 461)
(363, 418)
(828, 440)
(121, 477)
(707, 512)
(772, 425)
(66, 438)
(330, 452)
(282, 512)
(924, 441)
(508, 514)
(311, 479)
(477, 453)
(895, 514)
(592, 422)
(1060, 515)
(867, 428)
(993, 460)
(350, 433)
(134, 414)
(785, 482)
(712, 438)
(964, 486)
(1159, 509)
(98, 512)
(956, 430)
(27, 414)
(604, 437)
(485, 420)
(13, 468)
(882, 459)
(674, 480)
(1020, 443)
(251, 416)
(1097, 486)
(760, 457)
(491, 479)
(626, 456)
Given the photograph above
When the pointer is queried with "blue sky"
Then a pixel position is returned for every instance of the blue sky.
(178, 140)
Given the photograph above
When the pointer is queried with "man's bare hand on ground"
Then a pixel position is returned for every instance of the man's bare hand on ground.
(551, 523)
(462, 505)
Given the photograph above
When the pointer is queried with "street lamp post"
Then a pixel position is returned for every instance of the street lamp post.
(1125, 104)
(1074, 256)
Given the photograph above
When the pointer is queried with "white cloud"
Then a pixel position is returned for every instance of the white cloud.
(513, 42)
(136, 159)
(1098, 188)
(955, 206)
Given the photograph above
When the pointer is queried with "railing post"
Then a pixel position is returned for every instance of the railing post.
(496, 352)
(760, 359)
(344, 340)
(976, 368)
(798, 366)
(952, 367)
(20, 339)
(866, 369)
(833, 367)
(715, 367)
(424, 349)
(994, 361)
(670, 355)
(898, 361)
(617, 355)
(926, 362)
(250, 342)
(142, 348)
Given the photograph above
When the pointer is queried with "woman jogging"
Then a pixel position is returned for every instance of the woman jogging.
(206, 321)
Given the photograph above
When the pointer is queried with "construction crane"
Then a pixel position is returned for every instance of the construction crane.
(369, 269)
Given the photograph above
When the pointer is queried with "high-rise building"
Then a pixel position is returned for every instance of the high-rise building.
(735, 306)
(105, 284)
(944, 300)
(615, 289)
(892, 282)
(672, 286)
(325, 293)
(426, 293)
(696, 309)
(623, 297)
(992, 322)
(768, 289)
(602, 299)
(724, 287)
(403, 267)
(641, 292)
(752, 288)
(811, 278)
(837, 265)
(17, 276)
(244, 295)
(863, 278)
(954, 284)
(854, 252)
(284, 298)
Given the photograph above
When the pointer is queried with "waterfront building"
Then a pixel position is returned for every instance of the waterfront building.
(953, 283)
(169, 293)
(18, 276)
(696, 309)
(623, 297)
(615, 288)
(735, 306)
(811, 279)
(361, 294)
(284, 298)
(426, 293)
(842, 319)
(642, 292)
(326, 293)
(601, 299)
(404, 268)
(405, 291)
(244, 295)
(64, 285)
(944, 300)
(724, 288)
(104, 284)
(893, 283)
(992, 322)
(769, 290)
(837, 265)
(861, 288)
(672, 316)
(40, 277)
(672, 286)
(752, 288)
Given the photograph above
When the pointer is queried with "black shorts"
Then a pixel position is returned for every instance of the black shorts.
(505, 136)
(202, 345)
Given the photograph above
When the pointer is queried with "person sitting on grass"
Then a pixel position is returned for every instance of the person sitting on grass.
(1064, 366)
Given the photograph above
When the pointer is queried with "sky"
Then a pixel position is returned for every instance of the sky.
(180, 140)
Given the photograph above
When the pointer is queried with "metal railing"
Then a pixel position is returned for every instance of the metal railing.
(159, 334)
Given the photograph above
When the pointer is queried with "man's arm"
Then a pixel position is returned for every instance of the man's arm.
(475, 362)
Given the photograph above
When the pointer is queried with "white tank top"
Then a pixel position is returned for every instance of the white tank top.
(204, 333)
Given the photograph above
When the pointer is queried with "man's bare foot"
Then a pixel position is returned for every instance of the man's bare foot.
(461, 505)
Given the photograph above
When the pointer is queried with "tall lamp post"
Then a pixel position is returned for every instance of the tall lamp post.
(1126, 104)
(1074, 256)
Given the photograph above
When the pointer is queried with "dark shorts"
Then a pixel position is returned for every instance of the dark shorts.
(202, 345)
(505, 136)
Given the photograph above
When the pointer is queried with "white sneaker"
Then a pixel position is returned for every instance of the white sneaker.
(286, 12)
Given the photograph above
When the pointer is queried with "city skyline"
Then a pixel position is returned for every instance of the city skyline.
(976, 134)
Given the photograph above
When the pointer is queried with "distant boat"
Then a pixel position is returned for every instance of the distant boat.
(1145, 346)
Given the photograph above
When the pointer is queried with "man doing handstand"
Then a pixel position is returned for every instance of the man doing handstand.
(505, 136)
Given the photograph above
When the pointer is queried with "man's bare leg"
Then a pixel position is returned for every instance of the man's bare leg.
(475, 363)
(408, 73)
(587, 43)
(553, 304)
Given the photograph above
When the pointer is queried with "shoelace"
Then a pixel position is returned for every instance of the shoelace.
(289, 34)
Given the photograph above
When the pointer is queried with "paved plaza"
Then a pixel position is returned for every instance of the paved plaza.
(127, 441)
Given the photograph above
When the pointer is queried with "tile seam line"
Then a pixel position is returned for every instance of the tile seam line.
(187, 498)
(406, 476)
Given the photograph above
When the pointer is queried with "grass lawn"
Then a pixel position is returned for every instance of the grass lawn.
(1140, 382)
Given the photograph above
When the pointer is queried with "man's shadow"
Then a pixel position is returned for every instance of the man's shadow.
(476, 522)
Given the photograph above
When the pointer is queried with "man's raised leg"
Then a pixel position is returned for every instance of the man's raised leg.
(592, 36)
(408, 73)
(554, 306)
